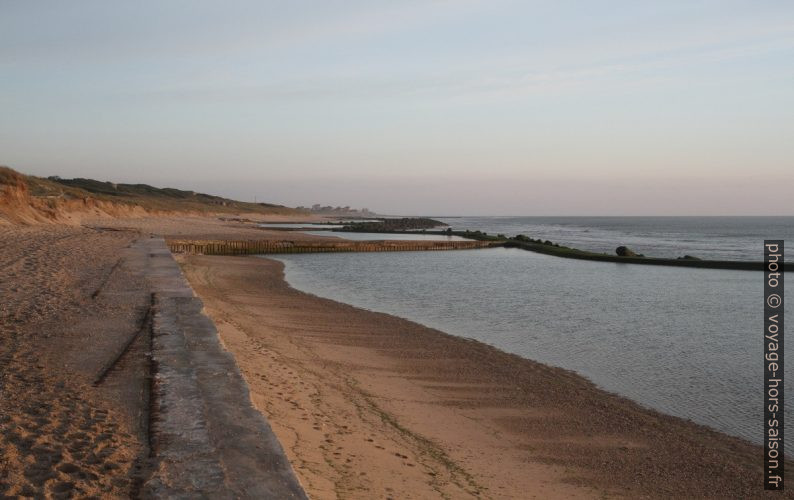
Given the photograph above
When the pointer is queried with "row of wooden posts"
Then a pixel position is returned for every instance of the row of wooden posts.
(243, 247)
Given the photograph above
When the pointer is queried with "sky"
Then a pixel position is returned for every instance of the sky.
(465, 107)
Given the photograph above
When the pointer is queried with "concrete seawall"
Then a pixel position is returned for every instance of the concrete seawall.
(206, 438)
(247, 247)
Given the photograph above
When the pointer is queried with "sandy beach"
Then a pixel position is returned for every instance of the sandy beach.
(565, 212)
(368, 405)
(71, 298)
(66, 304)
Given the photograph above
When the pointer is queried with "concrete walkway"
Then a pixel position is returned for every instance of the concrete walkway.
(206, 438)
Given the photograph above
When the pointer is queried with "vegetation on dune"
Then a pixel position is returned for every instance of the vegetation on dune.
(144, 190)
(166, 198)
(142, 195)
(9, 177)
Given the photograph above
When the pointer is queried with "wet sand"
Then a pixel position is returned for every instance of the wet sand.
(208, 227)
(368, 405)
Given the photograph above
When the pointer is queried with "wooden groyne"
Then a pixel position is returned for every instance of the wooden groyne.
(249, 247)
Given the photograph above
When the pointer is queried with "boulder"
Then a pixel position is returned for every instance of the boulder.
(625, 252)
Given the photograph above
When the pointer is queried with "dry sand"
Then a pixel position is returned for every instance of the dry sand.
(69, 300)
(368, 405)
(59, 435)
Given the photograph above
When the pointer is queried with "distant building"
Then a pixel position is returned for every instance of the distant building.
(329, 210)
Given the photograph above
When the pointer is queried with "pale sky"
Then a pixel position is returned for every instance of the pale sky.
(412, 107)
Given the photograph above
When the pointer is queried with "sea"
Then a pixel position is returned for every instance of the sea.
(716, 238)
(687, 342)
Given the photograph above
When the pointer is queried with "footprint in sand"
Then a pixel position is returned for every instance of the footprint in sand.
(68, 468)
(62, 488)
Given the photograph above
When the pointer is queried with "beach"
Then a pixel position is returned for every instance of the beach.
(371, 405)
(395, 250)
(62, 313)
(364, 404)
(72, 296)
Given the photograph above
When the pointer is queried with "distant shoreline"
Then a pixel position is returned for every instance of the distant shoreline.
(569, 253)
